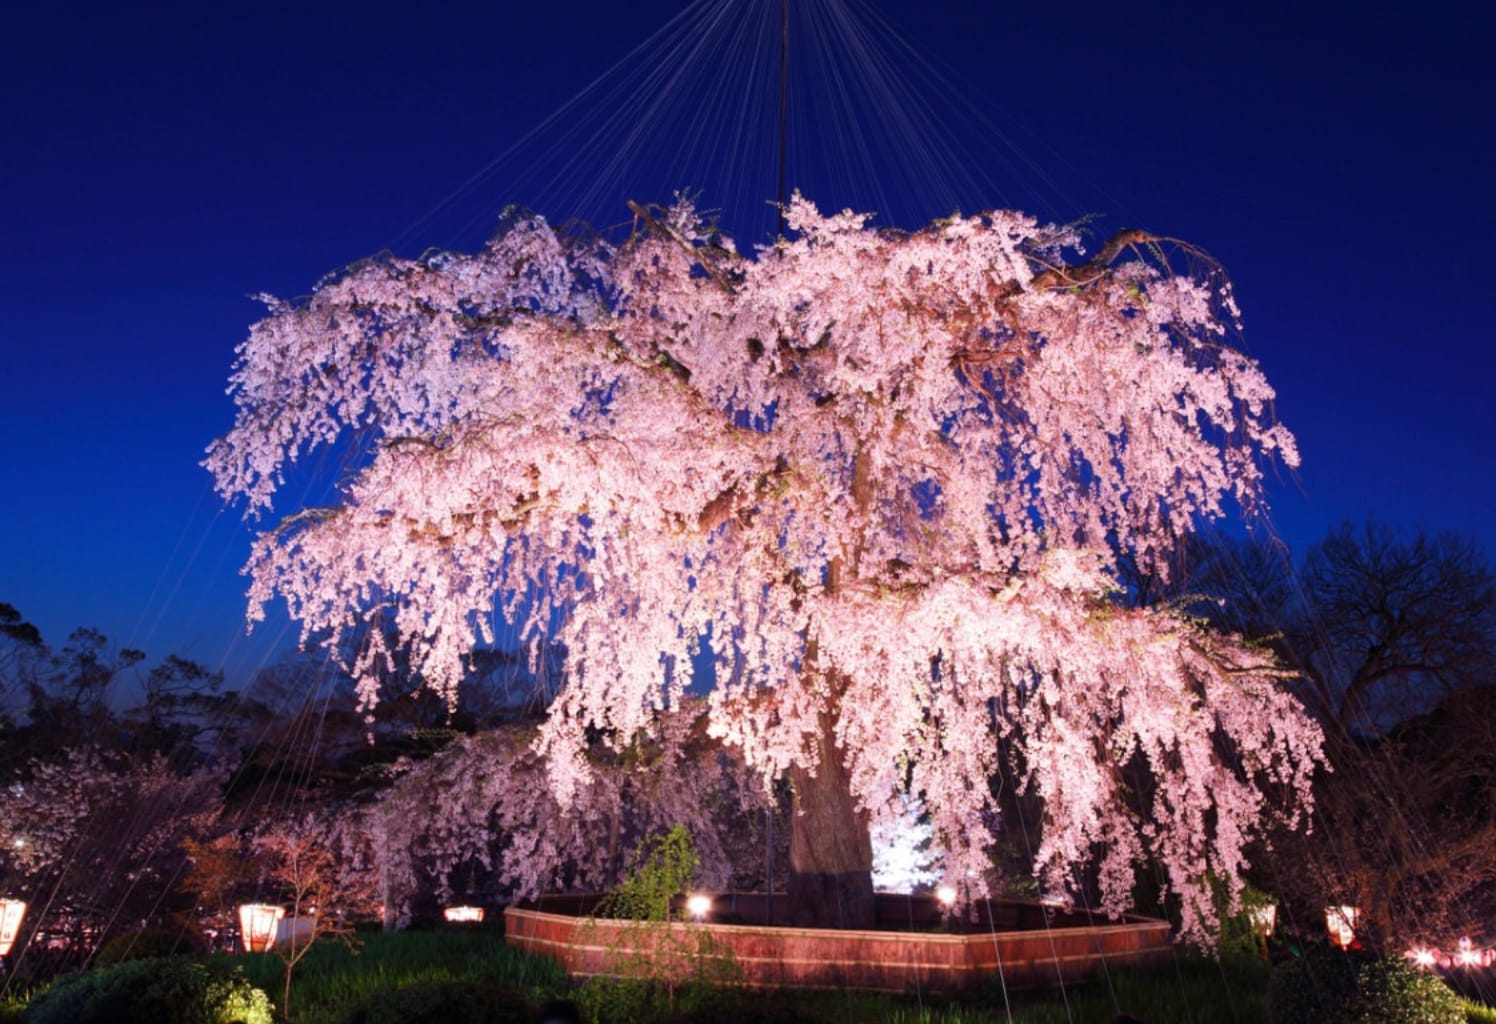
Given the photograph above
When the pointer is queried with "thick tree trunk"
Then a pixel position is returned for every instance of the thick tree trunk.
(831, 854)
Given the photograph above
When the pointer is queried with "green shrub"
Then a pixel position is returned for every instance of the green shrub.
(446, 1001)
(172, 990)
(655, 964)
(1329, 987)
(1317, 988)
(1394, 992)
(142, 945)
(1239, 936)
(664, 867)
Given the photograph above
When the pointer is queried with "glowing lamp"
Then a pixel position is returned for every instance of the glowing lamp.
(1340, 922)
(1264, 919)
(1466, 955)
(1423, 957)
(463, 915)
(698, 906)
(258, 925)
(946, 895)
(11, 912)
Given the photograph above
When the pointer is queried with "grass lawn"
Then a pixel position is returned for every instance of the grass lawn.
(331, 980)
(392, 979)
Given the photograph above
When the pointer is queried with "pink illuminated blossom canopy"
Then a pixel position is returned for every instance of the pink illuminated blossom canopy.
(884, 475)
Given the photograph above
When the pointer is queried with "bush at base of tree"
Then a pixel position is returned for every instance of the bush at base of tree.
(445, 1001)
(1240, 938)
(143, 945)
(1330, 987)
(152, 991)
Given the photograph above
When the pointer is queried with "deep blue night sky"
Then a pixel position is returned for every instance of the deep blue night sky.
(160, 165)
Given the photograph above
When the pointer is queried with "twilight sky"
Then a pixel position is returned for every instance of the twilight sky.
(162, 162)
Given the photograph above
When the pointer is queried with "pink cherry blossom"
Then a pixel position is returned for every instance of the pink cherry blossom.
(886, 474)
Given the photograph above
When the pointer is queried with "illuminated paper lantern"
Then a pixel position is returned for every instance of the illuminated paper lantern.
(11, 912)
(464, 915)
(1340, 922)
(258, 925)
(1264, 919)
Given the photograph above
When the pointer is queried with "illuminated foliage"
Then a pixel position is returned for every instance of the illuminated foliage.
(882, 478)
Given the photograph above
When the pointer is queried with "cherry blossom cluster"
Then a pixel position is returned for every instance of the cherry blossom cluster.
(485, 801)
(62, 806)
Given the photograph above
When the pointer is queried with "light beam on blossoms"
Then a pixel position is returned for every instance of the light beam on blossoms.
(464, 915)
(259, 923)
(1340, 923)
(11, 914)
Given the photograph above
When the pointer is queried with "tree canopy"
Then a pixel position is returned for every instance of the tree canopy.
(880, 480)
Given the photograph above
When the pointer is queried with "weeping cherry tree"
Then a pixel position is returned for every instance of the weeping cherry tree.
(874, 484)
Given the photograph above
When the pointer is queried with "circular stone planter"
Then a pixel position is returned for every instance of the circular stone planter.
(1016, 944)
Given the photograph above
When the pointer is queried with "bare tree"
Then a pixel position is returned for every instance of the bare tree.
(21, 649)
(1380, 624)
(1405, 828)
(1398, 622)
(216, 872)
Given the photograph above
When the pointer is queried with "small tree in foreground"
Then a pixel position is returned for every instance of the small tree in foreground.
(883, 479)
(652, 951)
(323, 897)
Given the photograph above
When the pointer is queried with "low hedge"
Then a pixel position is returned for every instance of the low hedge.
(1330, 987)
(177, 990)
